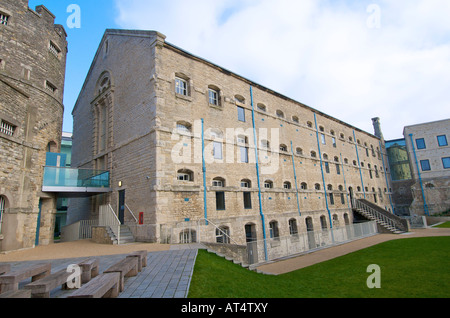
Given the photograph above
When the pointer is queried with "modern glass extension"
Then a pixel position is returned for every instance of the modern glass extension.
(69, 180)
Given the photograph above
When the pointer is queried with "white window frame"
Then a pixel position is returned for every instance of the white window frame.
(4, 18)
(181, 86)
(7, 128)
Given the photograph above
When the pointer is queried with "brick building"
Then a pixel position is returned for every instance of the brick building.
(185, 140)
(32, 69)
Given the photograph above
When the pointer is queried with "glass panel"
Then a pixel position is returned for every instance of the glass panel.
(67, 177)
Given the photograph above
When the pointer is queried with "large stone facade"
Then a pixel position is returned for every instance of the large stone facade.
(177, 134)
(429, 152)
(33, 57)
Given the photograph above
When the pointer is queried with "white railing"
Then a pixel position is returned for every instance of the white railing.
(108, 218)
(132, 214)
(303, 242)
(80, 230)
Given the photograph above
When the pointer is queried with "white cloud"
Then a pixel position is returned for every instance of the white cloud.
(321, 53)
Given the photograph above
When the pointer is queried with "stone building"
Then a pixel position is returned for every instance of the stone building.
(429, 154)
(187, 140)
(32, 70)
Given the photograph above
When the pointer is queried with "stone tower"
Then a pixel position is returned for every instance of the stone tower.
(32, 70)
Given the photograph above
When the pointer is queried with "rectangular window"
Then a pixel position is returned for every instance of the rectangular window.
(331, 199)
(50, 87)
(7, 128)
(241, 114)
(244, 154)
(420, 143)
(181, 87)
(217, 150)
(322, 138)
(333, 140)
(247, 200)
(327, 167)
(425, 164)
(342, 198)
(220, 201)
(446, 162)
(4, 19)
(213, 97)
(54, 49)
(338, 169)
(442, 140)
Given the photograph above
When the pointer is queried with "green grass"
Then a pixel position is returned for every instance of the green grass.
(410, 268)
(444, 225)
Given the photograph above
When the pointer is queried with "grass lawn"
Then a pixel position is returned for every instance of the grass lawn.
(444, 225)
(410, 268)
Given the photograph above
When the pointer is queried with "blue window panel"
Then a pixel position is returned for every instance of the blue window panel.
(446, 162)
(241, 114)
(425, 164)
(420, 143)
(442, 140)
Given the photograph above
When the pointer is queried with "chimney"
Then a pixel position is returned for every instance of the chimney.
(377, 127)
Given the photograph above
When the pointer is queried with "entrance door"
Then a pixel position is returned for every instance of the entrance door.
(252, 246)
(122, 206)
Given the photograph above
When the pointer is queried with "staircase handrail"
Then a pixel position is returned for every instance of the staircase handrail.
(223, 232)
(132, 214)
(110, 219)
(389, 218)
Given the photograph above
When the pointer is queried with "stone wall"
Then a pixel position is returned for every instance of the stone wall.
(29, 69)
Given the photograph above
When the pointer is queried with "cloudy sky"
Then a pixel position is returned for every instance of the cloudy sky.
(354, 60)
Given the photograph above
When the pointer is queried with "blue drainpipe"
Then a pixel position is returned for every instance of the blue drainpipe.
(257, 174)
(425, 206)
(359, 164)
(323, 179)
(204, 173)
(295, 178)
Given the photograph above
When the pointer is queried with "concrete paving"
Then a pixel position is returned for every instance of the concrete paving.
(167, 275)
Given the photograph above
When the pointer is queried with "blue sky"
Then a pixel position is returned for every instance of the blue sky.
(354, 60)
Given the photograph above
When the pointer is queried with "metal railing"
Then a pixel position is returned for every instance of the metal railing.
(108, 218)
(374, 213)
(132, 214)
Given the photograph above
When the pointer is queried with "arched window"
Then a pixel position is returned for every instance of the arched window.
(245, 183)
(323, 222)
(218, 182)
(295, 119)
(283, 148)
(188, 236)
(299, 151)
(280, 114)
(239, 99)
(268, 184)
(309, 124)
(313, 154)
(265, 144)
(214, 95)
(223, 235)
(317, 186)
(3, 206)
(287, 185)
(262, 107)
(293, 228)
(273, 229)
(182, 86)
(185, 175)
(184, 127)
(304, 186)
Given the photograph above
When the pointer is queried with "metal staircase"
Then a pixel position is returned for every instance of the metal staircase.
(124, 237)
(387, 220)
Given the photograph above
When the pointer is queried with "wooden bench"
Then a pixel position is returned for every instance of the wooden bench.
(21, 293)
(4, 268)
(127, 267)
(142, 258)
(43, 287)
(89, 269)
(105, 285)
(10, 281)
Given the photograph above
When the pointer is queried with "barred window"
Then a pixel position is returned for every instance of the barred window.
(53, 48)
(4, 19)
(7, 128)
(50, 87)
